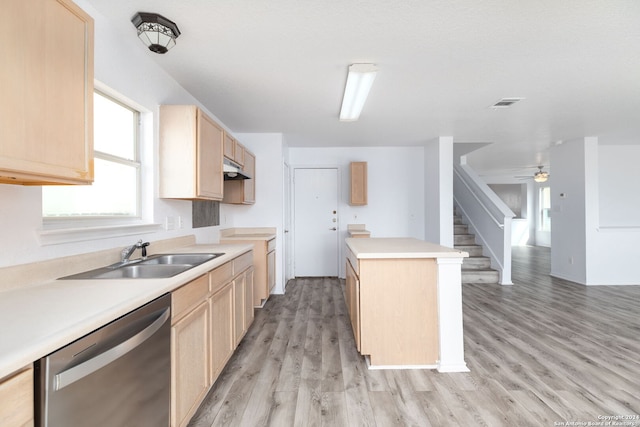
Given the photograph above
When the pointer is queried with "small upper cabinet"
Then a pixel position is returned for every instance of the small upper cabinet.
(191, 147)
(358, 184)
(46, 82)
(242, 191)
(233, 150)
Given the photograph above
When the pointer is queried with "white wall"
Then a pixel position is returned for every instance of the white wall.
(268, 209)
(590, 243)
(396, 188)
(568, 237)
(616, 236)
(619, 178)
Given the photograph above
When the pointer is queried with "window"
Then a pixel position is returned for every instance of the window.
(115, 192)
(545, 209)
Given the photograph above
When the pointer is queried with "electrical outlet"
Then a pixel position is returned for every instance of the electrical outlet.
(169, 223)
(179, 223)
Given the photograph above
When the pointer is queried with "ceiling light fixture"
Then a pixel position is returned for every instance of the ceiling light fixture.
(540, 176)
(158, 33)
(359, 83)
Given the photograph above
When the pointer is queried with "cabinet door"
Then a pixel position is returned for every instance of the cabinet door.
(248, 299)
(16, 399)
(190, 344)
(352, 297)
(358, 184)
(209, 158)
(221, 328)
(46, 82)
(229, 146)
(249, 184)
(271, 270)
(238, 309)
(238, 155)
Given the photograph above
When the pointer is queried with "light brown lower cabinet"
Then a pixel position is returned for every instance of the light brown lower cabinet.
(210, 315)
(392, 305)
(16, 399)
(222, 318)
(249, 311)
(239, 289)
(352, 297)
(264, 263)
(190, 349)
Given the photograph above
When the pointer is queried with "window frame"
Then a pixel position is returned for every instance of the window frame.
(542, 209)
(56, 230)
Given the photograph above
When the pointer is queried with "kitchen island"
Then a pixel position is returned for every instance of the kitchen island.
(404, 298)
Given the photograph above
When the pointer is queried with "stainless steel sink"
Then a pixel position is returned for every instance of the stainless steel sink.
(193, 259)
(141, 271)
(155, 267)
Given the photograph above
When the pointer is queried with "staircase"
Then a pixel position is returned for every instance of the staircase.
(476, 268)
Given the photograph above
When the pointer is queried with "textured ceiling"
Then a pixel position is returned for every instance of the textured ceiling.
(281, 65)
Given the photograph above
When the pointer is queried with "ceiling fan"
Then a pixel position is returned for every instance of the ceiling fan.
(539, 176)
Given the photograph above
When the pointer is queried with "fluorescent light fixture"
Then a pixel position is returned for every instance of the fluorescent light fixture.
(359, 83)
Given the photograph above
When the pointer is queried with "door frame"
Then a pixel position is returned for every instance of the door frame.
(293, 213)
(288, 224)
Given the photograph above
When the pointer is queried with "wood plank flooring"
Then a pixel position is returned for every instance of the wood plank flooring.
(541, 352)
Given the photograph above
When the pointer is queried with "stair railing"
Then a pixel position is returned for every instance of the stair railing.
(487, 216)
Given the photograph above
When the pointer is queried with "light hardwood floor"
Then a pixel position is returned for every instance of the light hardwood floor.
(541, 352)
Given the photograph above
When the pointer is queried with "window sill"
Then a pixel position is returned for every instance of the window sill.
(80, 234)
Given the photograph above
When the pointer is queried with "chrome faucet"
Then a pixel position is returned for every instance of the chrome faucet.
(126, 252)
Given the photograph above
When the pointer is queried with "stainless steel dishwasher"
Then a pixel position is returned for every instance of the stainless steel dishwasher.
(116, 376)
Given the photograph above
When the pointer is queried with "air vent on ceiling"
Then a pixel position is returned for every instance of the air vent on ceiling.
(506, 102)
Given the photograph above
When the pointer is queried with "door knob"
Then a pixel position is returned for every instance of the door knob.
(334, 229)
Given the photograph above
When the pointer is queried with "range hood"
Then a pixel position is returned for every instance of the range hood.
(233, 171)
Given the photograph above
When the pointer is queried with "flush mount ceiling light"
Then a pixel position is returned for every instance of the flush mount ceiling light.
(359, 83)
(158, 33)
(540, 176)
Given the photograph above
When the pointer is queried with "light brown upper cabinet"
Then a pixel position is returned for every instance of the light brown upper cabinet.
(358, 184)
(46, 82)
(191, 145)
(242, 191)
(233, 150)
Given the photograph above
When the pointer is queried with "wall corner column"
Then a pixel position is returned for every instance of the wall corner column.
(439, 191)
(450, 328)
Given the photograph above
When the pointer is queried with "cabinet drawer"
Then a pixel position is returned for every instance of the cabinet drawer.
(188, 296)
(243, 262)
(220, 276)
(271, 245)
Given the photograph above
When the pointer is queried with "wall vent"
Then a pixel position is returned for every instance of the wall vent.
(506, 102)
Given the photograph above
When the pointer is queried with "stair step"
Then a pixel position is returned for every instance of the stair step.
(457, 220)
(472, 250)
(464, 239)
(476, 263)
(460, 229)
(480, 276)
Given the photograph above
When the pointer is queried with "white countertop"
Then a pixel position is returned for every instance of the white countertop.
(248, 233)
(37, 320)
(255, 236)
(398, 247)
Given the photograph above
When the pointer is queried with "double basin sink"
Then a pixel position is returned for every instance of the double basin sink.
(157, 266)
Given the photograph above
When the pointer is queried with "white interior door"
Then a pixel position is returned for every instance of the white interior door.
(316, 222)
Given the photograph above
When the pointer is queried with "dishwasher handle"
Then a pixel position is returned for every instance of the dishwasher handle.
(88, 367)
